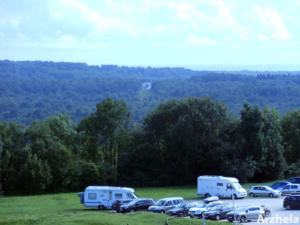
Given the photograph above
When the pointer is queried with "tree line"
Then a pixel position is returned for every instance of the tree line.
(177, 141)
(34, 90)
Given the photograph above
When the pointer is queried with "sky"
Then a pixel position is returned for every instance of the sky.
(152, 32)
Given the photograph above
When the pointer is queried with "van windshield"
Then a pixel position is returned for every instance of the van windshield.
(237, 186)
(160, 202)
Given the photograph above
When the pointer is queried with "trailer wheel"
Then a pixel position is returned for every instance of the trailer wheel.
(207, 195)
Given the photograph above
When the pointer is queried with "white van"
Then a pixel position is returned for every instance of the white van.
(220, 186)
(103, 196)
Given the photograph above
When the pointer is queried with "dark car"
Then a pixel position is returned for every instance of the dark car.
(117, 204)
(294, 180)
(292, 202)
(137, 204)
(218, 212)
(181, 210)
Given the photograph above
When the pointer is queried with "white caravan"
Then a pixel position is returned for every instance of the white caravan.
(220, 186)
(104, 196)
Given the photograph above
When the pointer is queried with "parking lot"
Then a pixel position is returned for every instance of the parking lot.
(279, 215)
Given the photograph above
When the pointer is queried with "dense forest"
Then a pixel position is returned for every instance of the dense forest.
(65, 126)
(34, 90)
(177, 141)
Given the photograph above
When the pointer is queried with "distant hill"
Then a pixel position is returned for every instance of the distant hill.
(31, 90)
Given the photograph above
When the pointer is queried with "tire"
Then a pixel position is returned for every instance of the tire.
(192, 216)
(180, 214)
(268, 214)
(271, 195)
(243, 219)
(162, 212)
(288, 207)
(252, 195)
(207, 195)
(132, 210)
(234, 195)
(100, 207)
(218, 217)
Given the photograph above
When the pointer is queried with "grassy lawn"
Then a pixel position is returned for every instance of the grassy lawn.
(66, 209)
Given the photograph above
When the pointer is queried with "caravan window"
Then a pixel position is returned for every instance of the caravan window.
(92, 196)
(220, 184)
(118, 196)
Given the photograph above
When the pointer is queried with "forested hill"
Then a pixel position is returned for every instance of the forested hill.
(31, 90)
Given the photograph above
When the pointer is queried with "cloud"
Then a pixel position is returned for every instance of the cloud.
(104, 24)
(57, 15)
(262, 37)
(273, 21)
(193, 40)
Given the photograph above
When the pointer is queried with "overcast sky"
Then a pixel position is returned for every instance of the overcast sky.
(151, 32)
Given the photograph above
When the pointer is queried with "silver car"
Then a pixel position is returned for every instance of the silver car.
(263, 191)
(244, 214)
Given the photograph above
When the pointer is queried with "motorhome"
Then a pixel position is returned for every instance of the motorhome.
(220, 186)
(104, 196)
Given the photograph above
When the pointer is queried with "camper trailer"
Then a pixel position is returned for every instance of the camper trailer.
(220, 186)
(104, 196)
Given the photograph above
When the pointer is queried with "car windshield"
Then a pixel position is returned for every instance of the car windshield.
(133, 202)
(237, 185)
(160, 202)
(240, 209)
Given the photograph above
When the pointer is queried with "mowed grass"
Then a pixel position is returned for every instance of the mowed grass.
(66, 209)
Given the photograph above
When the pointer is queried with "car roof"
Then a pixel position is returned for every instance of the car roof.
(171, 198)
(260, 186)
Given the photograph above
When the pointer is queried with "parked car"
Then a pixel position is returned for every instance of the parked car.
(294, 180)
(117, 204)
(245, 214)
(218, 212)
(263, 191)
(165, 204)
(182, 210)
(292, 202)
(279, 185)
(198, 211)
(135, 205)
(291, 189)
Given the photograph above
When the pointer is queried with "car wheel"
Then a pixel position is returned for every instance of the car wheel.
(252, 195)
(268, 213)
(207, 195)
(234, 195)
(180, 214)
(162, 212)
(132, 210)
(192, 216)
(243, 219)
(271, 195)
(218, 217)
(100, 207)
(288, 207)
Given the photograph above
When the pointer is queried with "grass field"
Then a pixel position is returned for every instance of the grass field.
(66, 209)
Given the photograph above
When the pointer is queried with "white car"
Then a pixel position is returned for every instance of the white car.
(198, 211)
